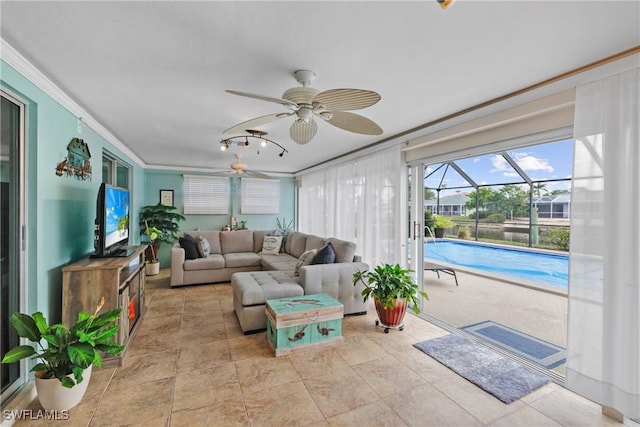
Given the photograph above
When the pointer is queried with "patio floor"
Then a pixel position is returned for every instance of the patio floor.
(477, 298)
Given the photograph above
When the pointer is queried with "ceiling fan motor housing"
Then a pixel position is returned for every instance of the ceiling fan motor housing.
(300, 95)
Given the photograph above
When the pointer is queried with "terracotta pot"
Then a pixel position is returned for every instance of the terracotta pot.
(391, 316)
(54, 397)
(152, 268)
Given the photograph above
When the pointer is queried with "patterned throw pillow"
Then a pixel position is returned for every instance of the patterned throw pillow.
(326, 255)
(204, 248)
(271, 245)
(305, 259)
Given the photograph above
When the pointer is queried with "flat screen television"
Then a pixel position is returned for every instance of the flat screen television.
(112, 221)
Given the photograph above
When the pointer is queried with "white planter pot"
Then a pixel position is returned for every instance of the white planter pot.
(54, 397)
(152, 268)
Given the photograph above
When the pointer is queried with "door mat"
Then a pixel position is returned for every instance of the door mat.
(504, 378)
(540, 352)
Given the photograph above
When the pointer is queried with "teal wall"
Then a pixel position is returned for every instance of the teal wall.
(156, 180)
(61, 210)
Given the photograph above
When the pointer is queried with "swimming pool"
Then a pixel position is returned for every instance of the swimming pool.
(549, 269)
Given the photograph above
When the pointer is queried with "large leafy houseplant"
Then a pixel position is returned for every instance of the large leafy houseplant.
(164, 221)
(389, 282)
(62, 350)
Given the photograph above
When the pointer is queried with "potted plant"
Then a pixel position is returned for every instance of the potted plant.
(392, 288)
(163, 219)
(152, 266)
(439, 224)
(66, 354)
(463, 232)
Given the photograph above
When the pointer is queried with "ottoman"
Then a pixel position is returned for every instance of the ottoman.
(251, 290)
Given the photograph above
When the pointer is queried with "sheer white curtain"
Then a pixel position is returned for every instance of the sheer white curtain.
(603, 360)
(359, 201)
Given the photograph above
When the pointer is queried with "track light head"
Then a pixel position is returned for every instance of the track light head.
(281, 154)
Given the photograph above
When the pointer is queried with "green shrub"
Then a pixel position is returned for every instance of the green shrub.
(496, 218)
(559, 237)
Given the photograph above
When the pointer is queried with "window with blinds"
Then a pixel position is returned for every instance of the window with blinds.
(206, 195)
(260, 196)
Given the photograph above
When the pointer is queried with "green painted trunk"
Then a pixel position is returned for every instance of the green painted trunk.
(302, 322)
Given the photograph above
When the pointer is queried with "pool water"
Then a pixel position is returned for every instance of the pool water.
(540, 267)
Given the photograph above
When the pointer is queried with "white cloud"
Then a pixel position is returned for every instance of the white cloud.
(530, 163)
(499, 164)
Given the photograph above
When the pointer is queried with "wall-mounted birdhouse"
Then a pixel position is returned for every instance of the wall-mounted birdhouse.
(78, 160)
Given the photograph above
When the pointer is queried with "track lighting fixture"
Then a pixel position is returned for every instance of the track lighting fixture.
(245, 141)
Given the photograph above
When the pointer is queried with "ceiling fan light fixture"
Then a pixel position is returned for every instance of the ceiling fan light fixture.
(244, 141)
(331, 105)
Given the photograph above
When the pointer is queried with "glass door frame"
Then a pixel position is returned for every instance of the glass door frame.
(415, 220)
(17, 216)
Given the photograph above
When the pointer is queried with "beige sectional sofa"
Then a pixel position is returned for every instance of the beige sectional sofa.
(255, 277)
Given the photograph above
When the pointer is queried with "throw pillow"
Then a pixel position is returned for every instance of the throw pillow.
(271, 245)
(305, 259)
(284, 235)
(325, 255)
(204, 248)
(188, 243)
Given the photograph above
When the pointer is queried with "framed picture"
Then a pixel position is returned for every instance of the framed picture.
(166, 197)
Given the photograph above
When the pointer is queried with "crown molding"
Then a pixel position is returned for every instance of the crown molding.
(19, 63)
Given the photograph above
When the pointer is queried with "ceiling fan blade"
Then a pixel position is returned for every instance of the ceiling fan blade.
(302, 132)
(254, 123)
(255, 174)
(346, 99)
(280, 101)
(354, 123)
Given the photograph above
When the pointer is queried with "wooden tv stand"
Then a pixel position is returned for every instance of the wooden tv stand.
(120, 280)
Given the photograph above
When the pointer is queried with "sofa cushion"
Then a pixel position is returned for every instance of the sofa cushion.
(345, 251)
(325, 255)
(314, 242)
(278, 262)
(255, 288)
(188, 243)
(258, 237)
(236, 241)
(241, 259)
(297, 243)
(285, 234)
(271, 245)
(305, 259)
(212, 262)
(204, 249)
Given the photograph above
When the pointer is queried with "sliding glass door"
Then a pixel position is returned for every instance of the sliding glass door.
(12, 120)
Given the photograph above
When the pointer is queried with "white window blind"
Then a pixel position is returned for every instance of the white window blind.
(206, 195)
(260, 196)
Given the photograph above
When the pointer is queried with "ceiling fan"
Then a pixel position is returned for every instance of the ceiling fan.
(239, 168)
(304, 103)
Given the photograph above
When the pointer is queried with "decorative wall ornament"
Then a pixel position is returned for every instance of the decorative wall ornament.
(77, 163)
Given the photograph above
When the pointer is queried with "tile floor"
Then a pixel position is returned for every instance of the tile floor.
(190, 365)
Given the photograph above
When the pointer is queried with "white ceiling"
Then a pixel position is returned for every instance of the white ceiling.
(154, 73)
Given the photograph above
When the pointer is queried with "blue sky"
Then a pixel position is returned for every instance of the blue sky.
(546, 161)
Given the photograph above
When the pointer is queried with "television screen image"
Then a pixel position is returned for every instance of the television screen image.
(116, 211)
